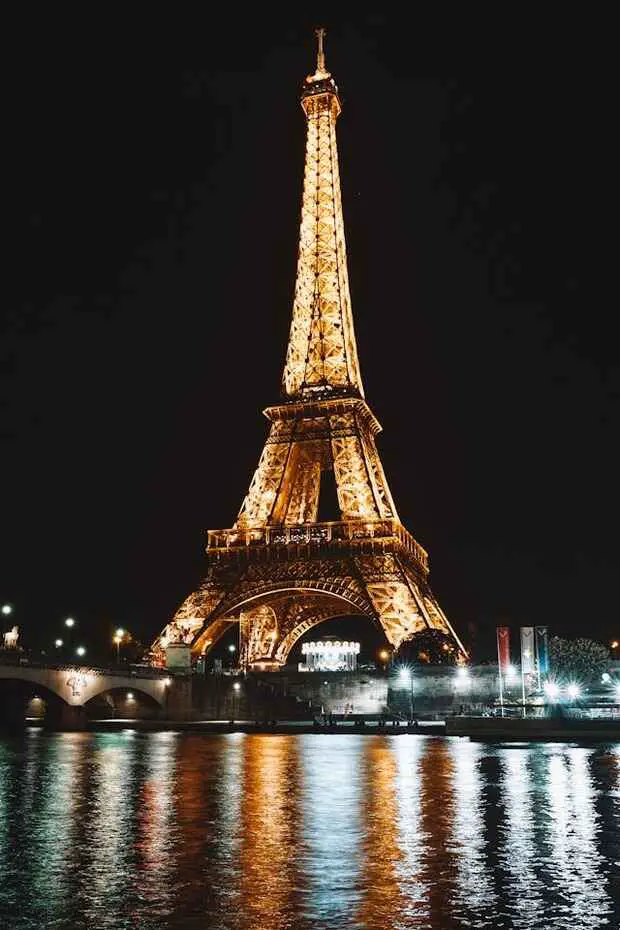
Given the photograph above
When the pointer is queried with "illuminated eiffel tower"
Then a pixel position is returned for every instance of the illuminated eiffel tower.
(278, 571)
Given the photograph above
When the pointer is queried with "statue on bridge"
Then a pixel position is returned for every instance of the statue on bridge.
(11, 637)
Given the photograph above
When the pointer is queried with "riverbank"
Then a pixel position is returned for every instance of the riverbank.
(478, 728)
(534, 728)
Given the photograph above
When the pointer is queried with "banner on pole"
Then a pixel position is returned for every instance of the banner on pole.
(527, 650)
(503, 648)
(542, 649)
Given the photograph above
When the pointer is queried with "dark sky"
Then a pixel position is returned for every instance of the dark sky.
(157, 178)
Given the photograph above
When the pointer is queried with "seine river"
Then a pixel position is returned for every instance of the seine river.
(168, 830)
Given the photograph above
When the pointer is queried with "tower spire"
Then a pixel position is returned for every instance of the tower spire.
(320, 55)
(321, 358)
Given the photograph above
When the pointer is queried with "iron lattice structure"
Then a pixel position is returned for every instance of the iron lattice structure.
(279, 571)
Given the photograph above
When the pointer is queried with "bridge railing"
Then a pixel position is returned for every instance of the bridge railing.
(110, 671)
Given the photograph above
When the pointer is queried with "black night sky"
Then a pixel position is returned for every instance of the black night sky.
(157, 177)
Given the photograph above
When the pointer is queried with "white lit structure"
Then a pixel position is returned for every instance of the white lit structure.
(329, 656)
(11, 637)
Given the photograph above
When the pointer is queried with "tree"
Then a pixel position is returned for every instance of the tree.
(583, 660)
(429, 647)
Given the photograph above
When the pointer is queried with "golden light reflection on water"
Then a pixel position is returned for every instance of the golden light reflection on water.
(155, 850)
(382, 896)
(269, 830)
(338, 832)
(436, 818)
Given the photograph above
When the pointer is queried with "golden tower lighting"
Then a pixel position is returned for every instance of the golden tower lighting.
(279, 571)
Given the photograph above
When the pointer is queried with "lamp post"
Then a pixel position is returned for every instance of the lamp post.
(118, 639)
(6, 610)
(236, 689)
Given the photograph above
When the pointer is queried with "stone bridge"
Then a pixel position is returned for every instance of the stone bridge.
(68, 690)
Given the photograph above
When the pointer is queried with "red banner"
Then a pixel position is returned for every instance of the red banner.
(503, 648)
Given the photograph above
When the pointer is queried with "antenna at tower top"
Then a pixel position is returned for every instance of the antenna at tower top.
(320, 55)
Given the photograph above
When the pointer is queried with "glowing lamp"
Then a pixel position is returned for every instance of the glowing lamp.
(551, 689)
(80, 650)
(573, 691)
(7, 609)
(58, 643)
(237, 686)
(69, 622)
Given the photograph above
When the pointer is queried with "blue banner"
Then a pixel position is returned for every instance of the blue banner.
(542, 649)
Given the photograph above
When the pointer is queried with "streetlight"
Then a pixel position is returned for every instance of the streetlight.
(573, 691)
(69, 622)
(551, 689)
(80, 651)
(7, 610)
(384, 656)
(58, 643)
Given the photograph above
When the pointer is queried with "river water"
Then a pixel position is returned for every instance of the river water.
(169, 830)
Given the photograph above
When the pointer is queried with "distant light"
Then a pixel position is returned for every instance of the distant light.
(120, 632)
(232, 648)
(606, 677)
(7, 609)
(614, 644)
(236, 686)
(130, 695)
(58, 643)
(573, 691)
(404, 674)
(551, 689)
(69, 621)
(81, 650)
(118, 639)
(384, 655)
(462, 671)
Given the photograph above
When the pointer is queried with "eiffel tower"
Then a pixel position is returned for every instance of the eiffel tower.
(279, 571)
